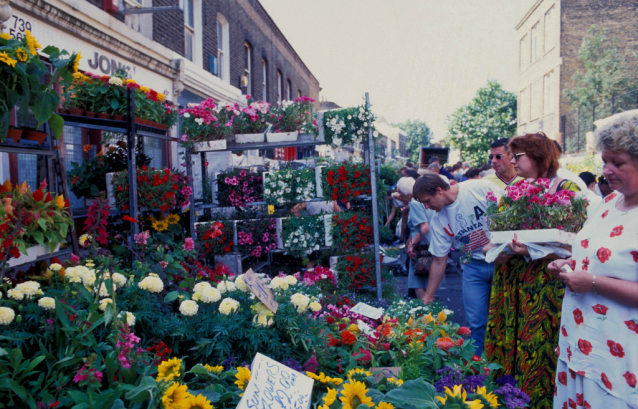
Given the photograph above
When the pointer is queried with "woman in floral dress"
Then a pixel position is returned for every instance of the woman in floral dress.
(525, 303)
(598, 346)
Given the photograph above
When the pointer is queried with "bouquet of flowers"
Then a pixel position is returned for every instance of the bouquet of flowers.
(256, 237)
(205, 122)
(290, 116)
(289, 185)
(303, 235)
(345, 182)
(345, 127)
(237, 187)
(253, 118)
(353, 231)
(356, 271)
(157, 189)
(216, 238)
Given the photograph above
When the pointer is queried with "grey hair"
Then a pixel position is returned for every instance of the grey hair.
(405, 186)
(619, 133)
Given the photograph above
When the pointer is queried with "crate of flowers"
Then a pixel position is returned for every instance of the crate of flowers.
(289, 118)
(206, 126)
(289, 185)
(303, 235)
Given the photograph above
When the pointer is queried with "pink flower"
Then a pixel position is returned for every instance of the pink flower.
(74, 259)
(544, 183)
(184, 138)
(515, 194)
(164, 264)
(141, 238)
(189, 244)
(490, 196)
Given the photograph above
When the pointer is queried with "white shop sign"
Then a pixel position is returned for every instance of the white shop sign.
(94, 59)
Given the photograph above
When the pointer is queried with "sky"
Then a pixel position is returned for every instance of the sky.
(418, 59)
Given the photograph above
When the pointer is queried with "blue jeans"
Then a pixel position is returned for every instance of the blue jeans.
(477, 283)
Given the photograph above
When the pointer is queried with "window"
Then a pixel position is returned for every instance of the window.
(280, 86)
(524, 52)
(189, 29)
(536, 100)
(551, 28)
(549, 93)
(537, 49)
(523, 106)
(223, 57)
(264, 79)
(288, 90)
(156, 149)
(247, 68)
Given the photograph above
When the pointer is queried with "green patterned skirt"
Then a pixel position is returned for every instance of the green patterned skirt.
(523, 326)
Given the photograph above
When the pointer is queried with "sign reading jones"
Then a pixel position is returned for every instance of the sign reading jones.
(273, 385)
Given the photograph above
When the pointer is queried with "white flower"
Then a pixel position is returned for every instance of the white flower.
(103, 290)
(448, 312)
(226, 286)
(210, 295)
(187, 115)
(55, 267)
(115, 81)
(47, 303)
(28, 288)
(201, 286)
(228, 306)
(300, 301)
(104, 302)
(315, 306)
(151, 284)
(130, 318)
(6, 315)
(263, 320)
(240, 283)
(199, 121)
(278, 283)
(88, 278)
(291, 280)
(188, 308)
(119, 279)
(15, 294)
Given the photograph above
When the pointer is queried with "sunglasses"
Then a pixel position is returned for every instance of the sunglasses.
(518, 155)
(497, 156)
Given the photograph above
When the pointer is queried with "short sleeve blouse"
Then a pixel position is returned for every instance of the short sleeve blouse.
(418, 215)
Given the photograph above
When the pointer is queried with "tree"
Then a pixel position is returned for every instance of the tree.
(490, 115)
(418, 134)
(607, 70)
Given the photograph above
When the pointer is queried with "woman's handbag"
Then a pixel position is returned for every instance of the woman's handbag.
(423, 260)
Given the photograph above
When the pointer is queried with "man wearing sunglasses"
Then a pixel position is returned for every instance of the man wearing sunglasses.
(501, 159)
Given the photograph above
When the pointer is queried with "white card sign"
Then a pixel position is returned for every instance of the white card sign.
(273, 385)
(367, 311)
(365, 328)
(260, 290)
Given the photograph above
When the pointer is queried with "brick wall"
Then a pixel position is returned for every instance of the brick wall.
(168, 28)
(619, 16)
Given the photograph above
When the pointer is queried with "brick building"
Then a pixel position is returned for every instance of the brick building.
(550, 35)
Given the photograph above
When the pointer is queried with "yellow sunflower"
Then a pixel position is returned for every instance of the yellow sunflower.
(487, 397)
(214, 369)
(175, 396)
(398, 382)
(358, 372)
(169, 369)
(32, 43)
(329, 399)
(243, 377)
(21, 54)
(172, 219)
(354, 394)
(6, 36)
(76, 63)
(384, 405)
(197, 402)
(459, 396)
(159, 225)
(4, 57)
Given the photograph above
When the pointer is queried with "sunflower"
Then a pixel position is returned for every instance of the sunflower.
(172, 219)
(159, 225)
(355, 372)
(21, 54)
(169, 369)
(32, 43)
(458, 396)
(197, 402)
(384, 405)
(6, 36)
(329, 399)
(487, 398)
(398, 382)
(76, 62)
(175, 396)
(214, 369)
(354, 394)
(243, 377)
(4, 57)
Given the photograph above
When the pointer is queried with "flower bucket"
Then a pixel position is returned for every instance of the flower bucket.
(533, 236)
(33, 135)
(321, 136)
(319, 189)
(327, 223)
(119, 117)
(250, 138)
(282, 136)
(218, 145)
(32, 254)
(14, 134)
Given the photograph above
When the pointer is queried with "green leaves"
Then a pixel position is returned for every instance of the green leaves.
(418, 134)
(416, 394)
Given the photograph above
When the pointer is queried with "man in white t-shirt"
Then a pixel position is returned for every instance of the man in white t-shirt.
(461, 223)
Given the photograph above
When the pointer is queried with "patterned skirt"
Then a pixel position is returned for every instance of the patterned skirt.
(523, 326)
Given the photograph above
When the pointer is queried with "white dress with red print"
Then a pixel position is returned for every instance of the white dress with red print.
(598, 345)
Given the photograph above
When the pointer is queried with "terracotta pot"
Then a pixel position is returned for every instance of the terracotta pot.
(62, 110)
(89, 114)
(141, 121)
(162, 126)
(33, 135)
(103, 115)
(76, 111)
(119, 117)
(14, 134)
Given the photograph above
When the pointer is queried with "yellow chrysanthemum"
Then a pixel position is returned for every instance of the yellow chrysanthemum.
(169, 369)
(130, 81)
(329, 399)
(144, 89)
(21, 54)
(6, 36)
(172, 219)
(197, 402)
(459, 392)
(175, 396)
(384, 405)
(353, 328)
(32, 43)
(76, 63)
(354, 394)
(489, 397)
(4, 57)
(243, 377)
(161, 96)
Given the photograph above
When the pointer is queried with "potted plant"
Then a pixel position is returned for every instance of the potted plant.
(289, 185)
(21, 71)
(345, 182)
(206, 127)
(289, 118)
(303, 235)
(345, 127)
(238, 187)
(252, 121)
(256, 237)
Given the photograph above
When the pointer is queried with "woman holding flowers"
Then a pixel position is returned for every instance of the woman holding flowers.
(598, 345)
(525, 304)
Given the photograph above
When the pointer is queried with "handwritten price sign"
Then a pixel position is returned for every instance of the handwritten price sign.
(273, 385)
(367, 311)
(387, 372)
(260, 290)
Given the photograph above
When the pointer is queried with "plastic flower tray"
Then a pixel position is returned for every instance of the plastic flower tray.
(533, 236)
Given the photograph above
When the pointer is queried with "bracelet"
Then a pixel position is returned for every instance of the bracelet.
(593, 284)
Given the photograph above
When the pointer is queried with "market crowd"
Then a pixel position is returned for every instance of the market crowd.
(566, 329)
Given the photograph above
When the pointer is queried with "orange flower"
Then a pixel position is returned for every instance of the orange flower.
(129, 219)
(59, 200)
(87, 147)
(445, 343)
(385, 329)
(416, 334)
(348, 337)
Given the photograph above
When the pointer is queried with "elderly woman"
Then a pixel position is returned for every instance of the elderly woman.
(598, 345)
(525, 303)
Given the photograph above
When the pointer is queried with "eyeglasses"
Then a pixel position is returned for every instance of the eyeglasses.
(497, 156)
(518, 155)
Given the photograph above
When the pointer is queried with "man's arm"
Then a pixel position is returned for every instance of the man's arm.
(437, 270)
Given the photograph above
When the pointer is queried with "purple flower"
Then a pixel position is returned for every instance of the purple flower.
(506, 379)
(514, 397)
(293, 364)
(229, 363)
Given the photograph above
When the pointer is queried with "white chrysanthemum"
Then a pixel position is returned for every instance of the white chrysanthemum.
(104, 302)
(115, 81)
(228, 306)
(263, 319)
(300, 301)
(6, 315)
(74, 274)
(278, 283)
(240, 283)
(197, 296)
(88, 278)
(188, 308)
(210, 295)
(226, 286)
(291, 280)
(47, 303)
(15, 294)
(130, 318)
(119, 279)
(152, 284)
(201, 286)
(55, 267)
(104, 291)
(28, 288)
(315, 306)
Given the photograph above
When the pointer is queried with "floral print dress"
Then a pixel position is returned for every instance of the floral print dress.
(598, 345)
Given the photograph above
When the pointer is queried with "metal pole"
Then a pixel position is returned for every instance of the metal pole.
(131, 130)
(375, 205)
(191, 207)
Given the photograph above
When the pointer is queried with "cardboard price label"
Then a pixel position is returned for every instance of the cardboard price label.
(273, 385)
(385, 372)
(260, 290)
(367, 311)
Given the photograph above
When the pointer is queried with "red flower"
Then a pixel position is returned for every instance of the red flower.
(129, 219)
(600, 309)
(607, 200)
(605, 214)
(464, 331)
(585, 243)
(569, 353)
(603, 254)
(578, 316)
(476, 358)
(584, 346)
(631, 379)
(632, 325)
(348, 337)
(562, 378)
(586, 405)
(38, 195)
(606, 381)
(617, 231)
(615, 349)
(634, 253)
(564, 331)
(572, 264)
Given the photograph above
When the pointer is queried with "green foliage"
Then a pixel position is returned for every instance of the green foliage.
(606, 72)
(389, 175)
(303, 235)
(490, 115)
(418, 134)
